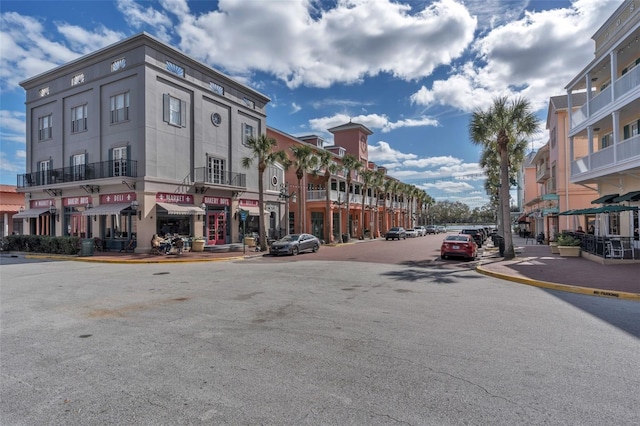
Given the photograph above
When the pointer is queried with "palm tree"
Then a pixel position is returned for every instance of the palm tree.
(386, 187)
(262, 151)
(368, 176)
(304, 159)
(327, 163)
(505, 123)
(377, 186)
(394, 185)
(350, 164)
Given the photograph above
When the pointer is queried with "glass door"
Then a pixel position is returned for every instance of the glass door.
(216, 228)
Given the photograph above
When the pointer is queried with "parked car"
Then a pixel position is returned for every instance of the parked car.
(396, 232)
(441, 229)
(411, 233)
(460, 245)
(431, 229)
(294, 244)
(475, 233)
(422, 231)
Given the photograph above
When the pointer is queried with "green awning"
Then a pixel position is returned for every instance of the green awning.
(629, 196)
(605, 199)
(595, 210)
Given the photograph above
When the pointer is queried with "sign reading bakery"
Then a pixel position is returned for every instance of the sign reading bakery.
(76, 201)
(217, 201)
(168, 197)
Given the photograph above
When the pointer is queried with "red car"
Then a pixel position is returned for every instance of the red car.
(460, 245)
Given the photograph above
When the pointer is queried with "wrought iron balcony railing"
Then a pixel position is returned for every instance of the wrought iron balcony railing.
(80, 173)
(206, 175)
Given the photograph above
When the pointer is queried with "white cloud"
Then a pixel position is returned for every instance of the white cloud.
(552, 46)
(295, 108)
(13, 126)
(312, 47)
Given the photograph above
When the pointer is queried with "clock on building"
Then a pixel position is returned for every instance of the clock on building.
(216, 119)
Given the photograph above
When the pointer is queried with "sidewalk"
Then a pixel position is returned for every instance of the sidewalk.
(536, 265)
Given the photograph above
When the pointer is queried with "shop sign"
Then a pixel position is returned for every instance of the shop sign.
(249, 203)
(125, 197)
(168, 197)
(76, 201)
(42, 203)
(217, 201)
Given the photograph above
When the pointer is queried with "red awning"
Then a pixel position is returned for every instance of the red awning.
(523, 219)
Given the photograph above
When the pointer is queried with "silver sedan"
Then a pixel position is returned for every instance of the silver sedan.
(294, 244)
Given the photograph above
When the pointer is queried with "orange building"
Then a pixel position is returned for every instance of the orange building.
(318, 196)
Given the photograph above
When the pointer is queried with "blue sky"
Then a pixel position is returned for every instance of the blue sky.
(411, 71)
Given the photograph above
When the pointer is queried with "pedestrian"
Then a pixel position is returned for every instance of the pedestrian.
(579, 230)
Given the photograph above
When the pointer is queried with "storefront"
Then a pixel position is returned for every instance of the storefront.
(217, 229)
(176, 214)
(41, 215)
(251, 227)
(115, 215)
(74, 223)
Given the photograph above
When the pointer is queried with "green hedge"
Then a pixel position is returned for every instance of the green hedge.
(43, 244)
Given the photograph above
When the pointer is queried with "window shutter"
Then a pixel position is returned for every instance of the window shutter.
(242, 134)
(183, 113)
(625, 130)
(71, 161)
(165, 109)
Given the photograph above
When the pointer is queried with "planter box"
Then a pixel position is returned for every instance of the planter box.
(569, 251)
(197, 245)
(554, 248)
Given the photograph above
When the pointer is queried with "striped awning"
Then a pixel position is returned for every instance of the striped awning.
(32, 213)
(106, 209)
(629, 196)
(177, 209)
(605, 199)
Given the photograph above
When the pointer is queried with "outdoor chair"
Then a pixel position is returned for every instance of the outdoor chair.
(617, 249)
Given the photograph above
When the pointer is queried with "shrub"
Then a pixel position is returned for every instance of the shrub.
(43, 244)
(568, 240)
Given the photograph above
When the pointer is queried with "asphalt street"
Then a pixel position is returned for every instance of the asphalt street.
(308, 342)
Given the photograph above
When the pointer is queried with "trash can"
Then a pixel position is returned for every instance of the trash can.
(86, 247)
(498, 241)
(345, 238)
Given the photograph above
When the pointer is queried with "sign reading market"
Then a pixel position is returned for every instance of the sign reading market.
(168, 197)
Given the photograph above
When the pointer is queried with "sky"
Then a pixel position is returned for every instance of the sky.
(413, 72)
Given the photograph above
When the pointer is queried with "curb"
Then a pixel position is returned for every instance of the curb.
(135, 261)
(612, 294)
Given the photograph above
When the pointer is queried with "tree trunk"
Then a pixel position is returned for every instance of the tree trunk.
(509, 252)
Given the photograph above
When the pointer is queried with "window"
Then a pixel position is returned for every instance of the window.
(118, 64)
(631, 130)
(247, 132)
(119, 156)
(43, 92)
(248, 102)
(606, 141)
(43, 171)
(79, 119)
(215, 170)
(176, 69)
(216, 88)
(78, 164)
(120, 108)
(44, 127)
(175, 111)
(77, 79)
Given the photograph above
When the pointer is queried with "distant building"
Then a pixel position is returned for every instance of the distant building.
(11, 203)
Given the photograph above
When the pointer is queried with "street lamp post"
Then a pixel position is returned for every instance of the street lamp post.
(286, 195)
(339, 203)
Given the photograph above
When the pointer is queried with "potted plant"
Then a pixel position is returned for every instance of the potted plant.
(197, 244)
(553, 245)
(568, 245)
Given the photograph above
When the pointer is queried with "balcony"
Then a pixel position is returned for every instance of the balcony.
(621, 87)
(542, 172)
(81, 173)
(207, 176)
(624, 152)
